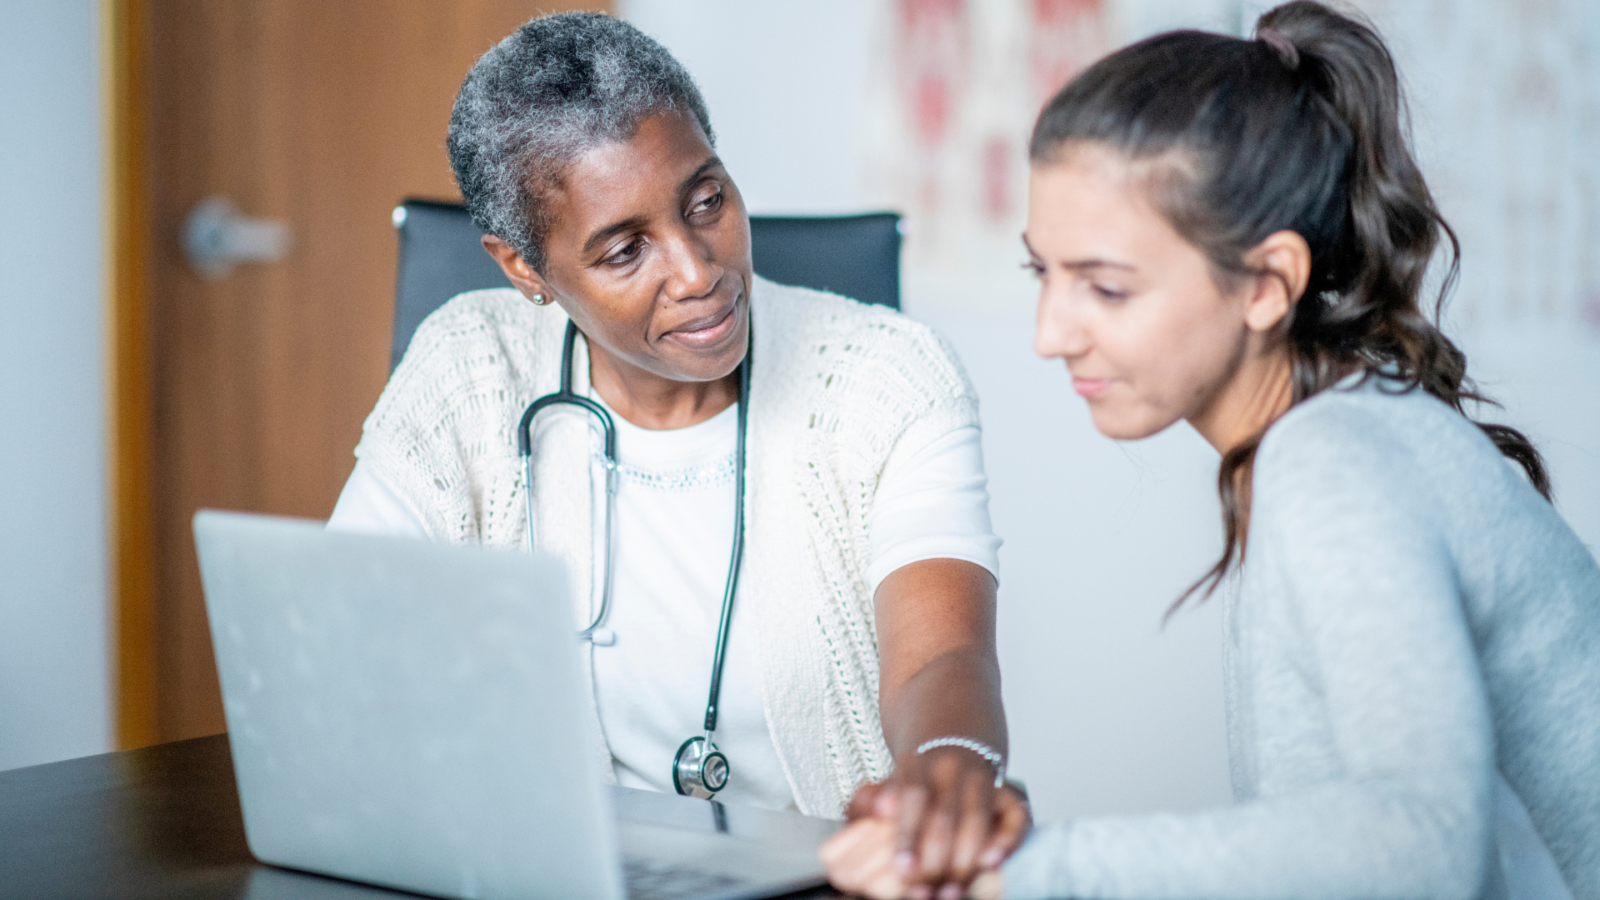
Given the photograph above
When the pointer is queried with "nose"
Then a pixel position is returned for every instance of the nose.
(1059, 329)
(692, 267)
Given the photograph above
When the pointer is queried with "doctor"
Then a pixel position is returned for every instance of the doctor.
(856, 621)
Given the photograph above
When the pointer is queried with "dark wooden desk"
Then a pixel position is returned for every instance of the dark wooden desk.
(162, 822)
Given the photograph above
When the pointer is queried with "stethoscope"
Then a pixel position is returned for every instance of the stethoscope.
(699, 769)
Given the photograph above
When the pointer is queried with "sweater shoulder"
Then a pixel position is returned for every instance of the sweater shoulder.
(1372, 429)
(877, 344)
(481, 340)
(1381, 426)
(448, 409)
(1381, 457)
(494, 322)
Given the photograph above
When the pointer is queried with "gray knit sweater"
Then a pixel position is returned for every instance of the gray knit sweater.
(1413, 646)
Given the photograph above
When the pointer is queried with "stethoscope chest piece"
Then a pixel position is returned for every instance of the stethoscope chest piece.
(699, 769)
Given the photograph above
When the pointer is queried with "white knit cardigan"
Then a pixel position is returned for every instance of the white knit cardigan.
(838, 388)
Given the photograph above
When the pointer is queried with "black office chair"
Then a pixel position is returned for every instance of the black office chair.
(441, 255)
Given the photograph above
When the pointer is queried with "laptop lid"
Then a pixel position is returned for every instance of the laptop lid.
(404, 713)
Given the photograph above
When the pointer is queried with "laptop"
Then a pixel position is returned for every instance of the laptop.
(412, 716)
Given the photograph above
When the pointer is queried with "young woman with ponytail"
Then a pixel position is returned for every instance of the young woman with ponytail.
(1234, 233)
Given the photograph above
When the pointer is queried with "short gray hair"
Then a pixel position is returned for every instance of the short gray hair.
(557, 87)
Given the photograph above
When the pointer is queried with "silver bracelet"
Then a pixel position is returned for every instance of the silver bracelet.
(984, 750)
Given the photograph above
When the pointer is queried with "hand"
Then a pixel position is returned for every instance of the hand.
(860, 860)
(949, 821)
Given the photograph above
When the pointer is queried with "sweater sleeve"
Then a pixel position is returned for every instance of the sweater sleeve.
(442, 436)
(1353, 574)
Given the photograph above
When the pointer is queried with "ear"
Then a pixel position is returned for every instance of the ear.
(522, 275)
(1283, 262)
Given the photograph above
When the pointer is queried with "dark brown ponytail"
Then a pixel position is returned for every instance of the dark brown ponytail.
(1301, 129)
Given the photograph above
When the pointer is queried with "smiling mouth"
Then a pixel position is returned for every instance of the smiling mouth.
(709, 330)
(1090, 388)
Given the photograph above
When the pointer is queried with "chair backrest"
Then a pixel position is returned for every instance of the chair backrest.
(441, 255)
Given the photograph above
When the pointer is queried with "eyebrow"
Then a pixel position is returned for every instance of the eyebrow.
(1080, 264)
(605, 233)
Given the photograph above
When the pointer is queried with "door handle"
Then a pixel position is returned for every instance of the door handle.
(217, 237)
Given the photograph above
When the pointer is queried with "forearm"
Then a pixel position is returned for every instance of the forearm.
(940, 678)
(939, 675)
(955, 694)
(1345, 839)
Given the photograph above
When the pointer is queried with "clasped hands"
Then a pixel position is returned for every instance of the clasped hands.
(938, 829)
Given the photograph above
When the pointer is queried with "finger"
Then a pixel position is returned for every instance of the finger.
(846, 851)
(887, 803)
(884, 883)
(972, 830)
(987, 886)
(867, 868)
(913, 799)
(938, 834)
(839, 846)
(1014, 817)
(863, 801)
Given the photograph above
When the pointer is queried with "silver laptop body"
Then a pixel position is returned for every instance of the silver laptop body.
(412, 715)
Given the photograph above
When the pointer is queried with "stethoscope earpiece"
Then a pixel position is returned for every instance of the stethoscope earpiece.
(699, 769)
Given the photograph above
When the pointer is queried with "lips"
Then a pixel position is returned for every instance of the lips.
(1090, 388)
(707, 330)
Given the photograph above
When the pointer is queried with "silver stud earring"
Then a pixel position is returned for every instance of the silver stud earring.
(539, 300)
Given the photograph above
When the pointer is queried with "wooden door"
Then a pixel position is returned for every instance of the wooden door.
(322, 115)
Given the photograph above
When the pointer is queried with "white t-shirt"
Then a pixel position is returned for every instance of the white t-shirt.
(672, 546)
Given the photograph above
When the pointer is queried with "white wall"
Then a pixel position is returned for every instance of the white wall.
(54, 663)
(781, 80)
(1109, 711)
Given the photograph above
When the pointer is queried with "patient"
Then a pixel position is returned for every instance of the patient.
(1233, 233)
(861, 642)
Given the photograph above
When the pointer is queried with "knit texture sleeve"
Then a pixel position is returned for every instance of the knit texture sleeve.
(1381, 785)
(885, 389)
(442, 434)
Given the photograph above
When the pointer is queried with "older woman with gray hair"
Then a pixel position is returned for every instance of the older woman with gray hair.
(853, 638)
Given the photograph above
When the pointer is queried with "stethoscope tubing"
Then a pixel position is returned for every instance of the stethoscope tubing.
(724, 626)
(566, 396)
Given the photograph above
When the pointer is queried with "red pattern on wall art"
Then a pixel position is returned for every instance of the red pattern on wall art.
(933, 65)
(999, 162)
(960, 85)
(934, 47)
(1066, 37)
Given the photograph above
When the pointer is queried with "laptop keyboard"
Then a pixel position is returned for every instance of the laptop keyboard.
(650, 879)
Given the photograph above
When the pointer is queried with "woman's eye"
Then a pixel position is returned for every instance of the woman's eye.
(707, 203)
(1034, 267)
(1108, 293)
(624, 254)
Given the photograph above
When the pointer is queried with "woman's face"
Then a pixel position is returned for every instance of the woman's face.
(649, 252)
(1124, 300)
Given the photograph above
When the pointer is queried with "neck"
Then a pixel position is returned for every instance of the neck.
(655, 402)
(1260, 391)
